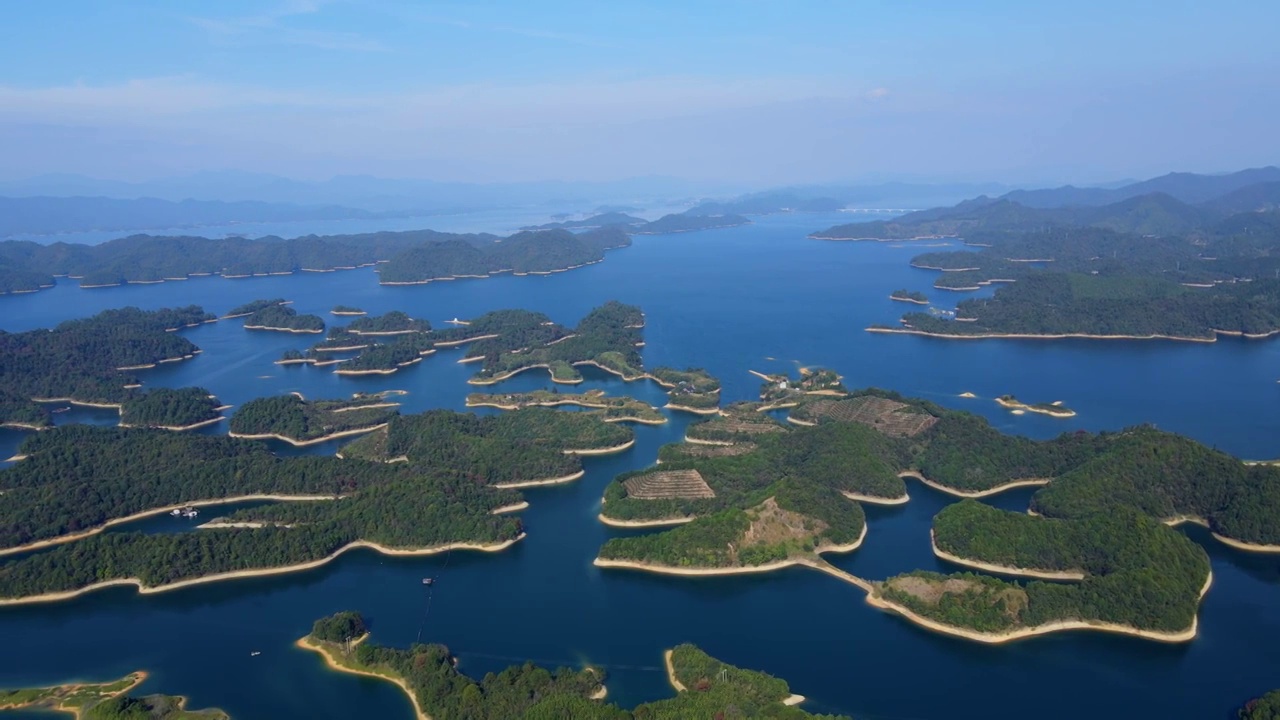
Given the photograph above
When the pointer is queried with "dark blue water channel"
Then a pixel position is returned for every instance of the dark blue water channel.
(759, 297)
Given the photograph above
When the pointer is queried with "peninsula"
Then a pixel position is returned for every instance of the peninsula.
(428, 675)
(909, 296)
(168, 409)
(278, 316)
(611, 409)
(346, 310)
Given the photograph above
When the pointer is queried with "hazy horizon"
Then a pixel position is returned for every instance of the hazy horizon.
(752, 95)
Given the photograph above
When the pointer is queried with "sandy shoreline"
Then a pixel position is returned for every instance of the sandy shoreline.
(512, 373)
(876, 500)
(908, 300)
(805, 561)
(694, 410)
(1181, 636)
(179, 428)
(158, 511)
(239, 574)
(603, 451)
(1229, 542)
(515, 507)
(1029, 482)
(665, 522)
(331, 662)
(536, 483)
(1017, 405)
(305, 443)
(282, 329)
(135, 679)
(1065, 336)
(1003, 569)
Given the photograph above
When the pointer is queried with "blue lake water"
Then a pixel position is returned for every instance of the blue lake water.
(758, 297)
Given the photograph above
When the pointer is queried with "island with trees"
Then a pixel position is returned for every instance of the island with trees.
(909, 296)
(687, 222)
(392, 323)
(172, 409)
(611, 409)
(526, 252)
(346, 310)
(522, 448)
(1266, 707)
(299, 422)
(324, 506)
(427, 673)
(278, 316)
(105, 701)
(382, 358)
(89, 361)
(783, 391)
(749, 494)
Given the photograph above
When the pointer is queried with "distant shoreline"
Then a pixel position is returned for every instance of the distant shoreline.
(538, 483)
(1003, 569)
(603, 451)
(331, 662)
(664, 522)
(1028, 482)
(1068, 336)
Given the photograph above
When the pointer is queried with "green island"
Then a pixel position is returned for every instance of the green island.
(341, 310)
(782, 391)
(1148, 267)
(253, 306)
(749, 494)
(611, 409)
(381, 358)
(105, 701)
(427, 673)
(300, 422)
(686, 222)
(88, 361)
(324, 507)
(524, 253)
(910, 296)
(277, 315)
(1052, 409)
(392, 323)
(1266, 707)
(171, 409)
(522, 448)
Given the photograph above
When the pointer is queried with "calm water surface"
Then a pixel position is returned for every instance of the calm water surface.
(759, 297)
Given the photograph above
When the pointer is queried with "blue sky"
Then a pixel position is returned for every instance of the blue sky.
(755, 91)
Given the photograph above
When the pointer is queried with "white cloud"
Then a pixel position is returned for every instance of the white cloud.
(879, 93)
(272, 28)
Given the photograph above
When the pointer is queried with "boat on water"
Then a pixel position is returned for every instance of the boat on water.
(428, 581)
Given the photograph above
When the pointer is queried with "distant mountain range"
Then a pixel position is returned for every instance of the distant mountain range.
(1203, 202)
(1187, 187)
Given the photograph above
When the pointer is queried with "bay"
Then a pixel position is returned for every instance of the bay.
(759, 297)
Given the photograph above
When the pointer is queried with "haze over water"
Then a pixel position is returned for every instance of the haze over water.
(758, 297)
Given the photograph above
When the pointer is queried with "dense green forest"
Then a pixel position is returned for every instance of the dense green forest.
(608, 407)
(400, 351)
(346, 310)
(169, 408)
(393, 322)
(713, 689)
(517, 447)
(300, 420)
(1137, 571)
(79, 477)
(283, 317)
(914, 296)
(524, 252)
(79, 359)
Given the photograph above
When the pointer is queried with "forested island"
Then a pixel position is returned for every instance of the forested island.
(1266, 707)
(346, 310)
(395, 508)
(427, 673)
(393, 323)
(296, 421)
(611, 409)
(780, 390)
(686, 222)
(88, 361)
(526, 252)
(521, 448)
(169, 409)
(910, 296)
(277, 315)
(748, 494)
(106, 701)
